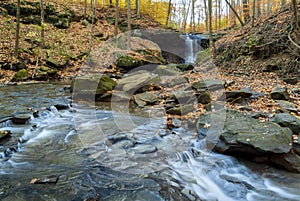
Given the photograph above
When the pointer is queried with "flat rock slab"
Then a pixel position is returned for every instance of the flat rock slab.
(136, 80)
(244, 135)
(287, 120)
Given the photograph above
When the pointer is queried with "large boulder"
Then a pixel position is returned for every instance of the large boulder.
(137, 80)
(92, 86)
(287, 120)
(245, 136)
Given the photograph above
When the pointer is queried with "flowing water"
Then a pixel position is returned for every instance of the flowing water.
(98, 153)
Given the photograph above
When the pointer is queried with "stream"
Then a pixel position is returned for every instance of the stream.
(99, 154)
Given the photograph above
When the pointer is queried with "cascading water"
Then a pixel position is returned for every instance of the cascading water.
(211, 176)
(119, 170)
(189, 50)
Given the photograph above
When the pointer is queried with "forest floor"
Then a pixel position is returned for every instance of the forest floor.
(260, 57)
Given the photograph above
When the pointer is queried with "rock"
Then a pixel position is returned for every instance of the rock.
(45, 180)
(245, 136)
(5, 118)
(163, 70)
(183, 97)
(286, 106)
(128, 62)
(287, 120)
(21, 117)
(176, 81)
(291, 80)
(181, 109)
(61, 106)
(280, 93)
(21, 75)
(137, 80)
(120, 96)
(144, 149)
(214, 106)
(204, 97)
(146, 98)
(91, 86)
(62, 23)
(43, 73)
(185, 67)
(210, 85)
(5, 134)
(243, 93)
(289, 161)
(52, 63)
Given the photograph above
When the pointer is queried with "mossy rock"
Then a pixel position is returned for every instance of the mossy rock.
(21, 75)
(63, 23)
(128, 62)
(203, 56)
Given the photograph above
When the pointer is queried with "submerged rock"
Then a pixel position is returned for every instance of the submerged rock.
(289, 161)
(45, 180)
(21, 117)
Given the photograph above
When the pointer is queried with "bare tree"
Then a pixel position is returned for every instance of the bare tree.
(296, 21)
(116, 18)
(85, 5)
(42, 24)
(253, 13)
(169, 12)
(235, 13)
(246, 10)
(206, 15)
(137, 8)
(128, 23)
(211, 41)
(17, 28)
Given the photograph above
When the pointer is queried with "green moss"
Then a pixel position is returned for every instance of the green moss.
(128, 61)
(20, 75)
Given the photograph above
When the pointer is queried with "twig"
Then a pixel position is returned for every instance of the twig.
(294, 43)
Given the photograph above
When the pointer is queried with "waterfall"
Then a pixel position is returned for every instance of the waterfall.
(189, 50)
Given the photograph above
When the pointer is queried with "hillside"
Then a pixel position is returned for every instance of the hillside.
(67, 37)
(266, 47)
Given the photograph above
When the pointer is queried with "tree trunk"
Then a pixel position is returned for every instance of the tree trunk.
(92, 27)
(216, 14)
(116, 18)
(137, 8)
(235, 13)
(85, 5)
(193, 17)
(110, 3)
(128, 23)
(211, 41)
(258, 6)
(206, 15)
(17, 28)
(269, 6)
(42, 24)
(169, 13)
(296, 21)
(246, 11)
(253, 13)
